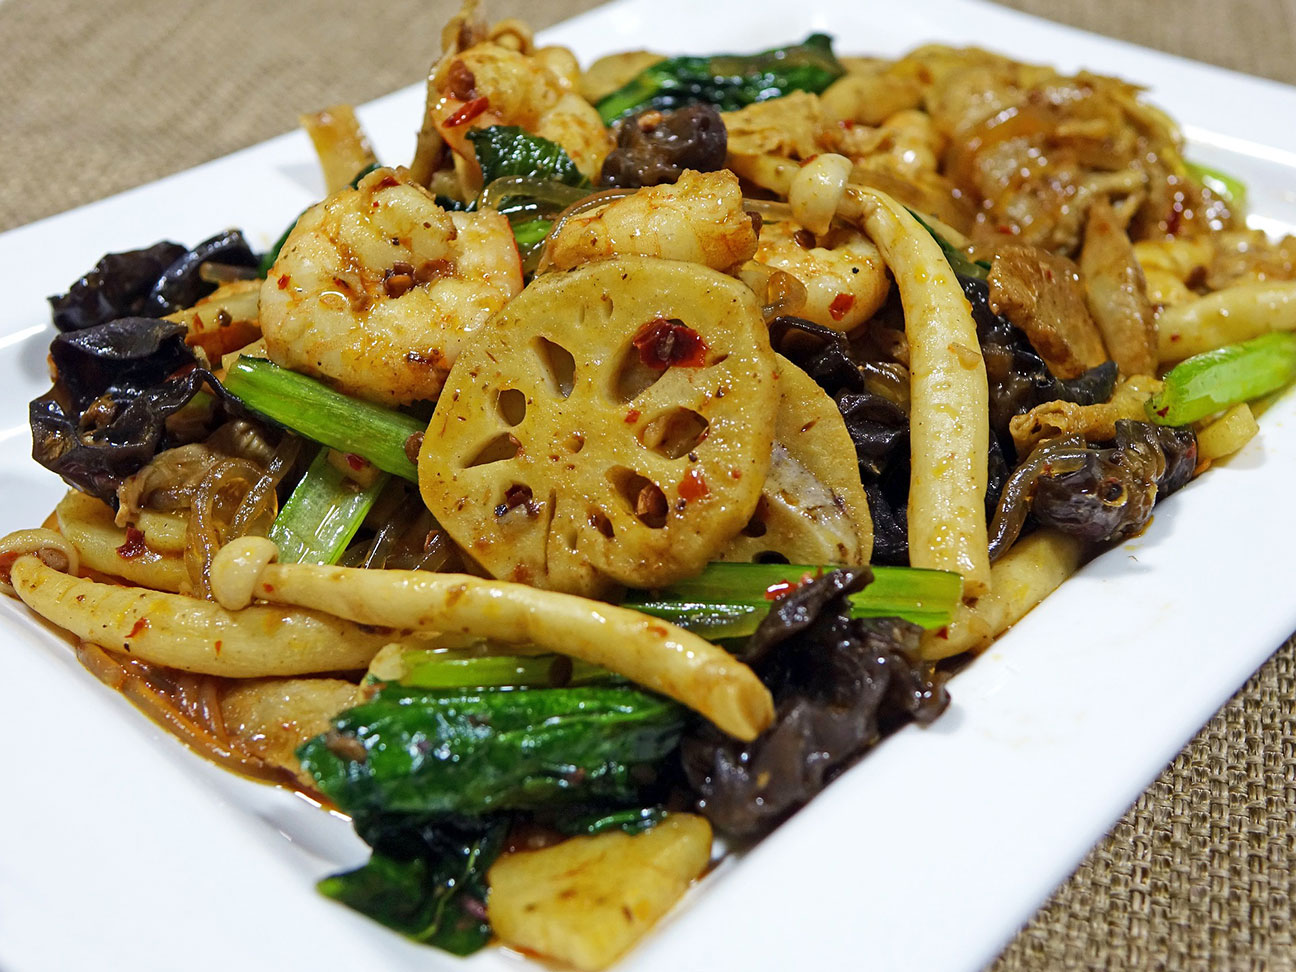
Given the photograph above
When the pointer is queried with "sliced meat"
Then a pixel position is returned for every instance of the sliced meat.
(1042, 294)
(1117, 292)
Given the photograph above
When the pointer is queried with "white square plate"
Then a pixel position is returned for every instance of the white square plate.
(120, 849)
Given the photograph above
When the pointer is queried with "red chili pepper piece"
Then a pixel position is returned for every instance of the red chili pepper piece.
(841, 306)
(693, 486)
(467, 112)
(134, 545)
(775, 591)
(662, 343)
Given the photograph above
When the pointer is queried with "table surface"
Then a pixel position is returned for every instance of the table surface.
(1199, 874)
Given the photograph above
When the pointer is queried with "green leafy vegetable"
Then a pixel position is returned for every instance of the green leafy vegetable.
(958, 260)
(430, 669)
(424, 752)
(531, 233)
(730, 600)
(323, 513)
(728, 81)
(316, 411)
(526, 177)
(1232, 190)
(507, 150)
(1207, 383)
(631, 821)
(428, 882)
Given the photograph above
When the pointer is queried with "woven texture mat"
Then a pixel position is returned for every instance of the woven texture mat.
(99, 97)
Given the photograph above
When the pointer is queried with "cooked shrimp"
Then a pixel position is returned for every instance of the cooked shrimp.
(699, 219)
(377, 288)
(843, 273)
(493, 85)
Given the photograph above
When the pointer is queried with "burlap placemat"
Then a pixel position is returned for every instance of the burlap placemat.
(98, 97)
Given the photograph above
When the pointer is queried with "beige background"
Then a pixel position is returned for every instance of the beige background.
(96, 97)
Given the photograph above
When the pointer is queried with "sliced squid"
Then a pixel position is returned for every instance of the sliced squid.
(812, 509)
(612, 425)
(197, 636)
(652, 652)
(87, 523)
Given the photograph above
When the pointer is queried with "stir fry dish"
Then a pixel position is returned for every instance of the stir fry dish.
(571, 505)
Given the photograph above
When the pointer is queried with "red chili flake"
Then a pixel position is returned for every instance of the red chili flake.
(429, 359)
(134, 545)
(269, 588)
(1175, 221)
(775, 591)
(1173, 338)
(662, 343)
(632, 416)
(355, 462)
(217, 646)
(1162, 411)
(140, 625)
(467, 112)
(386, 182)
(283, 282)
(517, 495)
(693, 486)
(841, 306)
(462, 81)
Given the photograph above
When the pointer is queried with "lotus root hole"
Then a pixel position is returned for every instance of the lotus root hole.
(575, 443)
(674, 434)
(632, 377)
(641, 495)
(600, 522)
(518, 496)
(558, 364)
(512, 406)
(503, 447)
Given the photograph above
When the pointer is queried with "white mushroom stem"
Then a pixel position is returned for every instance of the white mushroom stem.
(52, 548)
(198, 636)
(816, 191)
(652, 652)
